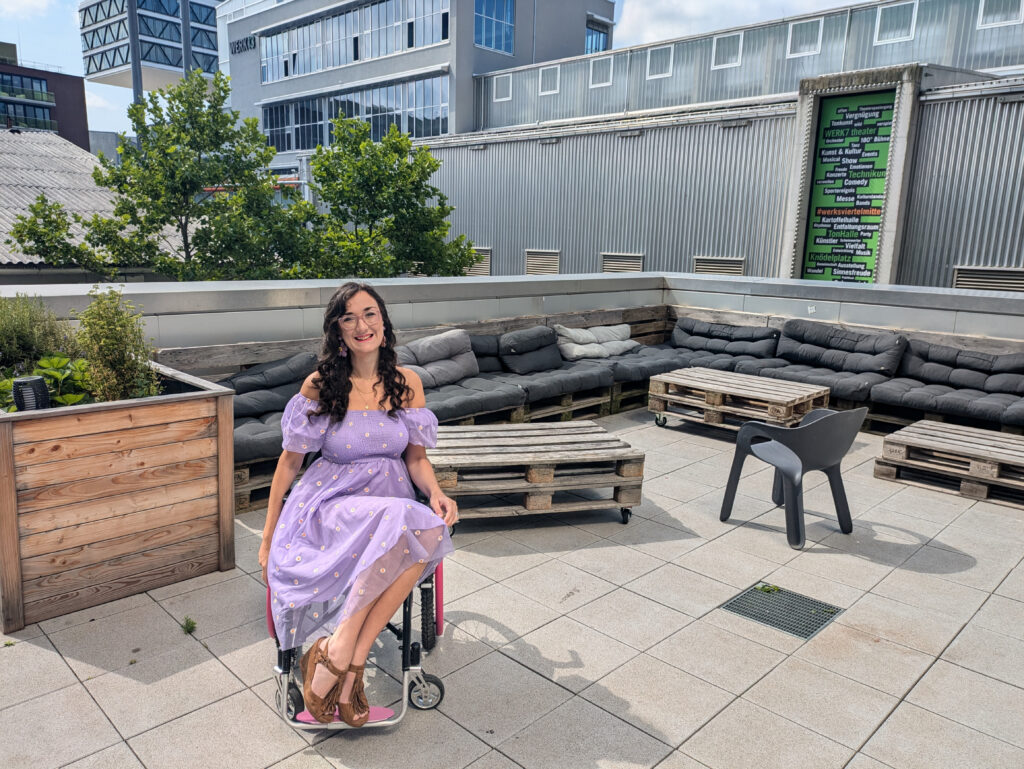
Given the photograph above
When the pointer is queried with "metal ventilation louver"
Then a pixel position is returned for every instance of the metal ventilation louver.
(542, 262)
(483, 267)
(989, 278)
(719, 265)
(622, 262)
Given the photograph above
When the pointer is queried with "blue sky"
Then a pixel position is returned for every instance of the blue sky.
(46, 31)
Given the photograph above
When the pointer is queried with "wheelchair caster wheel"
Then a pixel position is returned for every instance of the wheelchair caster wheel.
(428, 695)
(295, 702)
(660, 420)
(626, 514)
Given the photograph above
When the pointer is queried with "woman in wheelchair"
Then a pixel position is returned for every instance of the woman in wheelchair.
(351, 541)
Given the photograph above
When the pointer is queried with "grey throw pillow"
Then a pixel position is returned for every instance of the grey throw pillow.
(573, 351)
(619, 333)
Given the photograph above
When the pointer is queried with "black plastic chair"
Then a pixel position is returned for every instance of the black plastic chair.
(819, 442)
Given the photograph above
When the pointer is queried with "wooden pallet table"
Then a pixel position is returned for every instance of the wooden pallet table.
(727, 399)
(971, 461)
(496, 470)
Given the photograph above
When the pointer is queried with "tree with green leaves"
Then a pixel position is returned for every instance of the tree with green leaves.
(380, 215)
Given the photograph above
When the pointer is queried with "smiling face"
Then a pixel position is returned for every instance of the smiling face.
(362, 324)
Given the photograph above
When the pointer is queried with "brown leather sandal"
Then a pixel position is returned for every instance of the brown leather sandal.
(356, 712)
(321, 708)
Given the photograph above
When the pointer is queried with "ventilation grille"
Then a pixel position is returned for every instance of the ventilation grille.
(542, 262)
(719, 265)
(483, 267)
(783, 609)
(622, 262)
(989, 278)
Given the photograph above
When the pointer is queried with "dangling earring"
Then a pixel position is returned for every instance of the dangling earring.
(343, 351)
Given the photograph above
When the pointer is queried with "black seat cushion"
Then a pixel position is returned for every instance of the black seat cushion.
(529, 350)
(273, 374)
(259, 402)
(258, 438)
(823, 345)
(713, 338)
(848, 385)
(485, 348)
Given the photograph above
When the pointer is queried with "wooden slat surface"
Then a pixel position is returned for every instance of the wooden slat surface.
(727, 408)
(113, 463)
(91, 595)
(96, 531)
(554, 507)
(123, 440)
(99, 488)
(109, 420)
(973, 442)
(776, 391)
(11, 606)
(474, 486)
(226, 481)
(105, 508)
(539, 457)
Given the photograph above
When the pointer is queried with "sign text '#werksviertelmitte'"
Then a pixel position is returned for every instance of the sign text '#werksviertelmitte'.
(851, 157)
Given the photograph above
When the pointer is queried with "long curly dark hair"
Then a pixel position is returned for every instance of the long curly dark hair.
(334, 370)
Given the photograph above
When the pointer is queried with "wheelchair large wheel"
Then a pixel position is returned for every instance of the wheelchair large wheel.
(295, 702)
(428, 628)
(428, 695)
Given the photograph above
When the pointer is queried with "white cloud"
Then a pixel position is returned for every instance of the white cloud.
(647, 21)
(94, 101)
(24, 9)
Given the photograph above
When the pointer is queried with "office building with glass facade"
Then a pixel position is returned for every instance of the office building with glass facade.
(105, 46)
(41, 98)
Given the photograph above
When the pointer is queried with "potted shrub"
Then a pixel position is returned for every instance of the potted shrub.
(125, 484)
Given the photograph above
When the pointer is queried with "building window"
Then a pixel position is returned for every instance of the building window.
(429, 24)
(601, 72)
(895, 23)
(998, 13)
(108, 59)
(156, 53)
(549, 80)
(100, 12)
(597, 37)
(659, 62)
(166, 7)
(502, 88)
(309, 124)
(202, 38)
(27, 115)
(24, 86)
(542, 262)
(495, 25)
(804, 38)
(727, 51)
(277, 124)
(151, 26)
(202, 14)
(106, 35)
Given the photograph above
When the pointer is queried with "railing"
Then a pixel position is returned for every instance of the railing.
(30, 64)
(26, 93)
(28, 122)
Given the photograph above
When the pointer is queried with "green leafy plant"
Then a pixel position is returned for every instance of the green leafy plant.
(188, 625)
(30, 331)
(66, 379)
(114, 342)
(767, 588)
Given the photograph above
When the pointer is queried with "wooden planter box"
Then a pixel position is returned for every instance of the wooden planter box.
(106, 500)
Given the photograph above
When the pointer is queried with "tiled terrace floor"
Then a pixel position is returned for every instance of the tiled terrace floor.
(581, 642)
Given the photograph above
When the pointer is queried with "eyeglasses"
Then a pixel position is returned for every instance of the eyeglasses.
(370, 318)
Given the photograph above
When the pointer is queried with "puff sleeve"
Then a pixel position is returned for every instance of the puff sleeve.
(422, 426)
(302, 433)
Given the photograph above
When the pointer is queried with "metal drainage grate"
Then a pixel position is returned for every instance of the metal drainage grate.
(783, 609)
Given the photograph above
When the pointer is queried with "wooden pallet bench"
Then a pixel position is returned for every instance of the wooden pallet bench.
(727, 399)
(971, 461)
(500, 470)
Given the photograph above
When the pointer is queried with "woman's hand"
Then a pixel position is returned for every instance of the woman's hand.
(445, 507)
(264, 557)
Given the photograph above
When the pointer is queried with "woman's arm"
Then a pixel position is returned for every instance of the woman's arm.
(420, 470)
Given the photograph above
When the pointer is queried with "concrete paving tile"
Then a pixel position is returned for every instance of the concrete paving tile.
(454, 650)
(601, 523)
(851, 569)
(497, 615)
(931, 593)
(579, 735)
(913, 738)
(720, 562)
(974, 700)
(612, 562)
(494, 760)
(1013, 584)
(53, 730)
(860, 496)
(472, 695)
(753, 631)
(901, 526)
(656, 539)
(901, 623)
(569, 653)
(958, 567)
(29, 669)
(981, 544)
(762, 541)
(662, 700)
(813, 586)
(559, 586)
(994, 654)
(248, 651)
(744, 508)
(253, 521)
(238, 731)
(924, 503)
(717, 656)
(652, 437)
(307, 759)
(428, 735)
(817, 526)
(94, 613)
(876, 542)
(680, 760)
(867, 658)
(460, 581)
(861, 761)
(631, 618)
(1003, 615)
(498, 557)
(117, 756)
(27, 633)
(160, 688)
(681, 489)
(653, 505)
(746, 736)
(831, 705)
(108, 644)
(247, 548)
(1004, 523)
(196, 583)
(552, 537)
(221, 606)
(682, 589)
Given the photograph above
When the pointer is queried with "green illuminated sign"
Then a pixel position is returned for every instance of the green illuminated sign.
(851, 157)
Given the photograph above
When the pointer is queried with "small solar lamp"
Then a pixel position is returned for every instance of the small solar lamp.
(30, 393)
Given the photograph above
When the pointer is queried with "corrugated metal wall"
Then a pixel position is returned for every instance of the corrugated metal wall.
(966, 198)
(670, 193)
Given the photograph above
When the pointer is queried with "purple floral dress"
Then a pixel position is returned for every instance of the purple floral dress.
(351, 524)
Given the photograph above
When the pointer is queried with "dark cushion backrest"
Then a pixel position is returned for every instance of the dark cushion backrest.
(485, 348)
(963, 369)
(440, 359)
(273, 374)
(840, 349)
(757, 341)
(530, 349)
